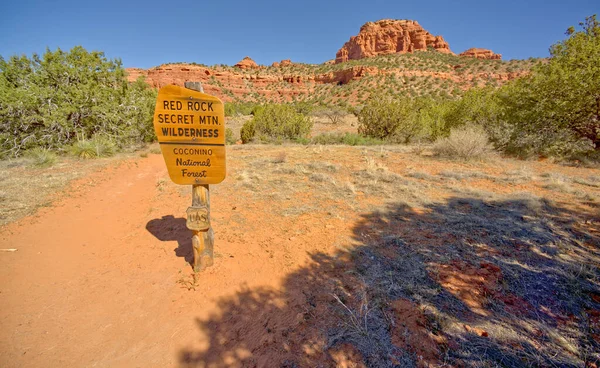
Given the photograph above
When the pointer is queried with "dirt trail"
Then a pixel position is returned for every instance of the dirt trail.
(99, 278)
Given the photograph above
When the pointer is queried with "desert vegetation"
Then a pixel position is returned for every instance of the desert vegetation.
(553, 111)
(79, 102)
(391, 220)
(76, 101)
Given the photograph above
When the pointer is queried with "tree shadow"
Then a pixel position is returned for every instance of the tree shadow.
(467, 282)
(169, 228)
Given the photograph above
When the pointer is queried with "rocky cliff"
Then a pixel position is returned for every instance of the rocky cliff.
(389, 37)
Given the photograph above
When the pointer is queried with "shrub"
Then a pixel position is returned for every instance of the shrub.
(239, 108)
(526, 126)
(479, 106)
(333, 114)
(280, 122)
(303, 108)
(386, 118)
(229, 137)
(432, 116)
(248, 131)
(468, 142)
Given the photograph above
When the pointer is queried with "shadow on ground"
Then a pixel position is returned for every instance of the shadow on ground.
(169, 228)
(463, 283)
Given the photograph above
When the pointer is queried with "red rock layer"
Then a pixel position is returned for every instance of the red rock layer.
(230, 83)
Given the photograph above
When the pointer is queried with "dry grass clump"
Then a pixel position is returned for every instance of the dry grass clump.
(462, 175)
(531, 202)
(591, 181)
(280, 158)
(42, 157)
(517, 176)
(93, 148)
(321, 178)
(323, 166)
(378, 172)
(421, 175)
(562, 184)
(249, 179)
(291, 170)
(466, 143)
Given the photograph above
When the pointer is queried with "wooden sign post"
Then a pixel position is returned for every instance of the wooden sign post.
(190, 126)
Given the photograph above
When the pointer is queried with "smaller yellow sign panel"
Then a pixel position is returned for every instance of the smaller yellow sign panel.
(190, 127)
(197, 218)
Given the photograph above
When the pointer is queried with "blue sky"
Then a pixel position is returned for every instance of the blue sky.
(146, 34)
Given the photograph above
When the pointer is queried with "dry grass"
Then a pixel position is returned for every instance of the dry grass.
(412, 217)
(466, 143)
(27, 187)
(41, 177)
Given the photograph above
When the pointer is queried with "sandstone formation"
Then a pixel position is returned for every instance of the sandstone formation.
(229, 83)
(282, 63)
(481, 54)
(389, 37)
(247, 63)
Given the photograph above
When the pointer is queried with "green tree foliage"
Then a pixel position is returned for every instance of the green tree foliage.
(478, 106)
(391, 119)
(56, 99)
(571, 81)
(556, 110)
(432, 116)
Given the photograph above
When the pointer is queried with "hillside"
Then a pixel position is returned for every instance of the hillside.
(415, 74)
(395, 56)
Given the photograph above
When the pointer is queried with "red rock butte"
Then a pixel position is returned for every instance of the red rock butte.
(389, 36)
(246, 63)
(283, 63)
(481, 54)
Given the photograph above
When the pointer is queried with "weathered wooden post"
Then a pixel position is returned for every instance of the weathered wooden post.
(190, 126)
(202, 240)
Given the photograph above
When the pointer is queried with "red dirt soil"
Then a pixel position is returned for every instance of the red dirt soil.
(90, 285)
(101, 277)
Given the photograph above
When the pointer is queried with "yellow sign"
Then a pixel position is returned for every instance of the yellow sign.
(190, 127)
